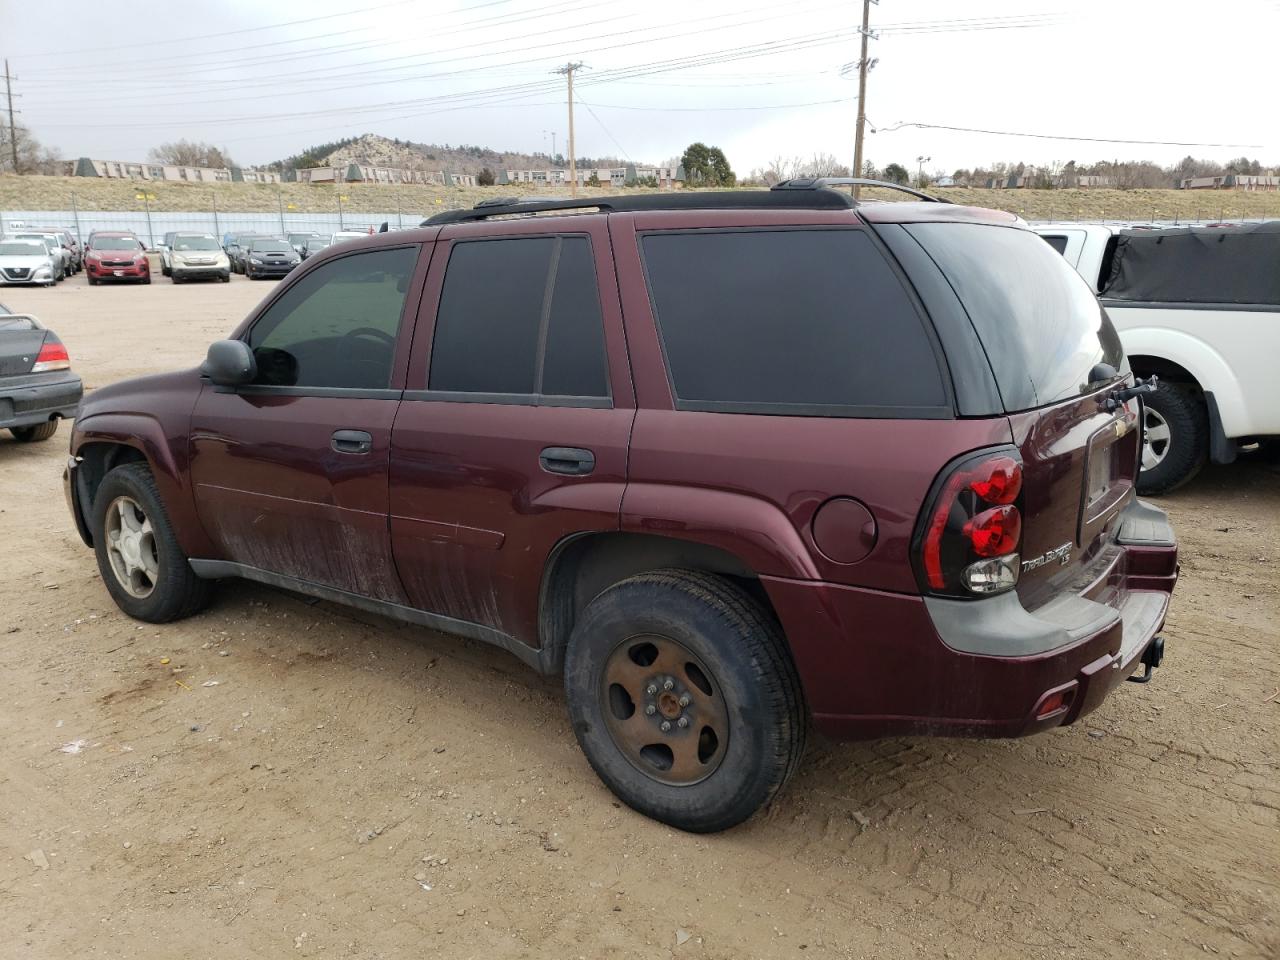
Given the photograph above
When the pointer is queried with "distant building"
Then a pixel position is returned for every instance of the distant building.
(1232, 181)
(1012, 182)
(1085, 181)
(613, 176)
(368, 173)
(124, 170)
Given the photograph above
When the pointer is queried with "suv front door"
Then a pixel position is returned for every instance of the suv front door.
(290, 472)
(514, 428)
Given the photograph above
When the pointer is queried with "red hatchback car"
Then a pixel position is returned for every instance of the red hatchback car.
(729, 462)
(116, 256)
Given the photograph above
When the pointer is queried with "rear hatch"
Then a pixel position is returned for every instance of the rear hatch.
(1057, 361)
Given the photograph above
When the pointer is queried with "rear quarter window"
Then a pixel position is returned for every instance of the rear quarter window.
(1041, 326)
(796, 322)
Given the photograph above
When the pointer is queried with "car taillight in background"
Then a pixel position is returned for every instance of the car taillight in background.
(52, 356)
(968, 545)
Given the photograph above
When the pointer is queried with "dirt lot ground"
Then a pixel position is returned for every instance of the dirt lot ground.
(278, 777)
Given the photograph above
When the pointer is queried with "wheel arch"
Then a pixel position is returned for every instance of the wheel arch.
(583, 566)
(1179, 357)
(103, 442)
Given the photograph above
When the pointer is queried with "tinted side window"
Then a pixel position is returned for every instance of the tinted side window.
(520, 316)
(802, 321)
(338, 325)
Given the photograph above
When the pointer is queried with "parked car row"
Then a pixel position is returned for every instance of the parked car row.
(40, 256)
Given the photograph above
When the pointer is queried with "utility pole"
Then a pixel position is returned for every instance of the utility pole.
(863, 67)
(13, 133)
(567, 70)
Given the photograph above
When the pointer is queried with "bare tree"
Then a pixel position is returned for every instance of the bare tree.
(824, 165)
(191, 153)
(777, 170)
(33, 157)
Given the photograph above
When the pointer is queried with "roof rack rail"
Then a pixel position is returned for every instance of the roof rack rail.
(795, 198)
(817, 183)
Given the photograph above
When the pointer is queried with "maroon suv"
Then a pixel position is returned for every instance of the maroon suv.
(729, 461)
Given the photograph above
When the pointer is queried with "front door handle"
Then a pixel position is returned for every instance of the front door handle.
(571, 461)
(351, 441)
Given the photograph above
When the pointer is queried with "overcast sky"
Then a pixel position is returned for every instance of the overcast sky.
(265, 79)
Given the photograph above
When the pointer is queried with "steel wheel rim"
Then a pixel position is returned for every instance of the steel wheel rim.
(651, 682)
(1156, 437)
(131, 547)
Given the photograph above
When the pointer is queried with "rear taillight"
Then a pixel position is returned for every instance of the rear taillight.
(969, 541)
(52, 356)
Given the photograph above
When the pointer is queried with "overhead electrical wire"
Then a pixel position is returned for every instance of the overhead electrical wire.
(1047, 136)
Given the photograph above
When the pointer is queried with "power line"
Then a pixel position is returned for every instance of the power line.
(606, 130)
(233, 33)
(733, 54)
(1047, 136)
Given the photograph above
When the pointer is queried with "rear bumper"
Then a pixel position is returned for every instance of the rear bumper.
(877, 664)
(35, 398)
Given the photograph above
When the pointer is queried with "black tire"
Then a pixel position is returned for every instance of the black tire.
(165, 271)
(34, 434)
(93, 281)
(176, 591)
(147, 279)
(1187, 447)
(744, 651)
(225, 277)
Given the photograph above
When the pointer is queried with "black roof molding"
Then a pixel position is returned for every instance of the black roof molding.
(795, 198)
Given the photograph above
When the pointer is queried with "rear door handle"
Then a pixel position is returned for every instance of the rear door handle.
(351, 441)
(571, 461)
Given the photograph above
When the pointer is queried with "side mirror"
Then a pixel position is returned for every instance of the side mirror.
(229, 363)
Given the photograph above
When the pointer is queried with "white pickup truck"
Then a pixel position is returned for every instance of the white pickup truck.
(1200, 308)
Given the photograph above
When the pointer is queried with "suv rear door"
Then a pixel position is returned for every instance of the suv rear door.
(515, 422)
(290, 472)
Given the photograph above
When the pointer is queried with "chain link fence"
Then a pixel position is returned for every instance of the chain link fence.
(151, 226)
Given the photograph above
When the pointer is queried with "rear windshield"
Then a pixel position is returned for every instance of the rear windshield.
(1042, 328)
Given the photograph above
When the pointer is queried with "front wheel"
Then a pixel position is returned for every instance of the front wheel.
(34, 434)
(1175, 439)
(144, 569)
(684, 698)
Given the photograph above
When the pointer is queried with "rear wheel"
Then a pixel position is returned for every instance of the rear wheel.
(41, 431)
(141, 564)
(684, 698)
(1175, 439)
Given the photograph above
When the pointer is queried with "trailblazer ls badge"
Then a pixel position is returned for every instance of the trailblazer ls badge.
(1061, 553)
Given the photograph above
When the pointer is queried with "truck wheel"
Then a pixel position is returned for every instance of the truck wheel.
(1175, 439)
(41, 431)
(684, 698)
(144, 569)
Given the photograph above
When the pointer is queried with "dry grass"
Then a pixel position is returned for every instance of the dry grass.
(55, 193)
